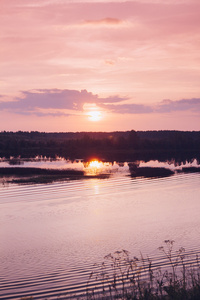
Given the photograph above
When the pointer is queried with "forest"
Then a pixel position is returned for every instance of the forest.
(107, 146)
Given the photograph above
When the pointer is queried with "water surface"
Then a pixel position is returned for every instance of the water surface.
(51, 235)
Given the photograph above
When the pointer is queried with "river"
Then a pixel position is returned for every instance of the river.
(52, 234)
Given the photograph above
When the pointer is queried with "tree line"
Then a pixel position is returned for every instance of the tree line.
(119, 145)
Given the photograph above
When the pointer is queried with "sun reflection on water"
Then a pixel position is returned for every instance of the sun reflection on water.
(94, 167)
(95, 164)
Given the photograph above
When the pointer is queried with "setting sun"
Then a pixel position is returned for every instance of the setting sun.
(95, 115)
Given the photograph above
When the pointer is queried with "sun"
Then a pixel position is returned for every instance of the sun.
(95, 164)
(94, 115)
(93, 112)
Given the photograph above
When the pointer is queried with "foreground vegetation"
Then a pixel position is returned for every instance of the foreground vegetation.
(175, 276)
(122, 277)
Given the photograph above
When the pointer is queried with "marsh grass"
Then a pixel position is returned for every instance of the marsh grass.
(30, 175)
(139, 278)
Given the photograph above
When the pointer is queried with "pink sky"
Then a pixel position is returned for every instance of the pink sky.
(136, 63)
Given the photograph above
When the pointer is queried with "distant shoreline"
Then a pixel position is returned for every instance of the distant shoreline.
(119, 145)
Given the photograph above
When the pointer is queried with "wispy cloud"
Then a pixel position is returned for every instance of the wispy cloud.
(128, 108)
(165, 106)
(181, 105)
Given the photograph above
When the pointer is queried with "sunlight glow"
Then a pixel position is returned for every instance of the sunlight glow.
(94, 167)
(95, 164)
(95, 115)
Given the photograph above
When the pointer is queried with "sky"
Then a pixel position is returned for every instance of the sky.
(99, 65)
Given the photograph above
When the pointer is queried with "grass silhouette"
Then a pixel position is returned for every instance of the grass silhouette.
(122, 277)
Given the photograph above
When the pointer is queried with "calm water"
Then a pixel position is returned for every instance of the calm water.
(51, 235)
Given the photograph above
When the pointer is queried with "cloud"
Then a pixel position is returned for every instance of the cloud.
(167, 106)
(128, 108)
(44, 113)
(56, 102)
(37, 101)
